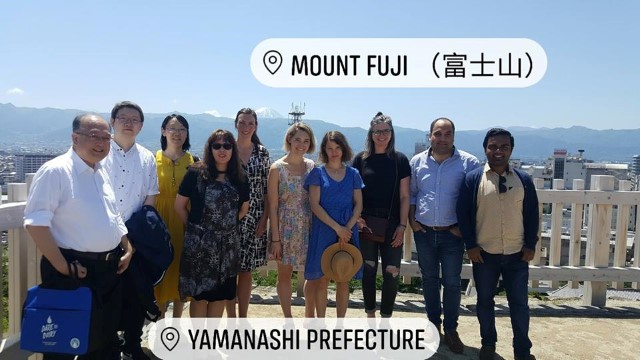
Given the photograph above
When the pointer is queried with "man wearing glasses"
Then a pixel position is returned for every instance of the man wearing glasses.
(498, 217)
(71, 215)
(132, 169)
(436, 175)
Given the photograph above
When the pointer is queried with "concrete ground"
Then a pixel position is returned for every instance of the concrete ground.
(560, 329)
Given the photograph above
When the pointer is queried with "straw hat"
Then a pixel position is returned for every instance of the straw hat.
(340, 265)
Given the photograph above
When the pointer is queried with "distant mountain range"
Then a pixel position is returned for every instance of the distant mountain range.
(49, 129)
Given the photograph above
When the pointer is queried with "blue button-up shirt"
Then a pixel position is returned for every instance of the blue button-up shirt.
(435, 187)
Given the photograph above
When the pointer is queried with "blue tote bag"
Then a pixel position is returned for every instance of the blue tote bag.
(57, 321)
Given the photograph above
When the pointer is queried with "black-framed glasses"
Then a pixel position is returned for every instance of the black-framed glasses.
(128, 121)
(502, 188)
(218, 146)
(381, 132)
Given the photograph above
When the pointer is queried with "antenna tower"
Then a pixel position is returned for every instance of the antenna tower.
(295, 115)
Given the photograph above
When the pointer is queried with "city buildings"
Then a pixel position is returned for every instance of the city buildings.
(29, 163)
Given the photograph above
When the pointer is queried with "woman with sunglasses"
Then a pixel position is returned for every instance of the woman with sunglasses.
(172, 163)
(253, 227)
(212, 198)
(335, 194)
(386, 174)
(289, 209)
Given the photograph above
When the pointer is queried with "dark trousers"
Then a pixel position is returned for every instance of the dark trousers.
(133, 313)
(515, 276)
(107, 288)
(390, 257)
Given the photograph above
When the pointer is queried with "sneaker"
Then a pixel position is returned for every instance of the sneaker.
(530, 357)
(453, 341)
(487, 353)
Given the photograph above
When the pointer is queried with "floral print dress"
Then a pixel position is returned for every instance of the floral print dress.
(211, 252)
(294, 215)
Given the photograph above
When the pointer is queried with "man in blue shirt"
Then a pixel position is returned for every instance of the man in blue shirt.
(436, 176)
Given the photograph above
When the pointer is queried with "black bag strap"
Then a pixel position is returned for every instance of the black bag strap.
(396, 185)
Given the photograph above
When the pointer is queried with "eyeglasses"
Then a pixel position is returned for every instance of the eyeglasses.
(217, 146)
(94, 137)
(502, 188)
(176, 130)
(381, 132)
(131, 121)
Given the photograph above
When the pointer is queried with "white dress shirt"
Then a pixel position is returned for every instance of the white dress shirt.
(76, 203)
(133, 175)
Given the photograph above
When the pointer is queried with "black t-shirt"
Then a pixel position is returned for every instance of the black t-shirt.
(378, 171)
(189, 188)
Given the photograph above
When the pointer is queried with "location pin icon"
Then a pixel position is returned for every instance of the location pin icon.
(272, 61)
(170, 337)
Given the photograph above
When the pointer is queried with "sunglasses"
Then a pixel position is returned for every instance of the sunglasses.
(217, 146)
(502, 188)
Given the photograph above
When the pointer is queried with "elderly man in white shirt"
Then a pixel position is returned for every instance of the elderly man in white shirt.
(71, 215)
(132, 169)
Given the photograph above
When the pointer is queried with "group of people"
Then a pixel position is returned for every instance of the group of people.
(217, 210)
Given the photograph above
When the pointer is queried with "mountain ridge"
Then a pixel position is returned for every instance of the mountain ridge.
(25, 127)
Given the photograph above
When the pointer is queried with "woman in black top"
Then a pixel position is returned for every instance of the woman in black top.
(386, 173)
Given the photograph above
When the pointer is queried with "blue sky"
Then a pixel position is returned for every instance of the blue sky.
(193, 56)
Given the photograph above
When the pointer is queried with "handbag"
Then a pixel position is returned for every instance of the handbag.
(56, 321)
(376, 229)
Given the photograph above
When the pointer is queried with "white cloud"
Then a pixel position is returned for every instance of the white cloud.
(15, 91)
(215, 113)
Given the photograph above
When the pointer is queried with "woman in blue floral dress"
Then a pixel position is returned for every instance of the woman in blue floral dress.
(335, 193)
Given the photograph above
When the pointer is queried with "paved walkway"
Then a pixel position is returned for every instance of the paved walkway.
(617, 308)
(560, 328)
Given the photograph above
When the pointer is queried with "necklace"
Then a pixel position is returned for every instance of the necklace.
(175, 161)
(173, 175)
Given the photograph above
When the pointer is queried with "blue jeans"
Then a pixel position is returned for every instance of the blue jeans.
(440, 250)
(515, 277)
(390, 257)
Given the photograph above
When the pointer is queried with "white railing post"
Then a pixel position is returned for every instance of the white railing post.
(555, 240)
(575, 242)
(598, 241)
(33, 254)
(17, 263)
(539, 184)
(622, 221)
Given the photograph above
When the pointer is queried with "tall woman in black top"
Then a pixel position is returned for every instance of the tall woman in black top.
(386, 173)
